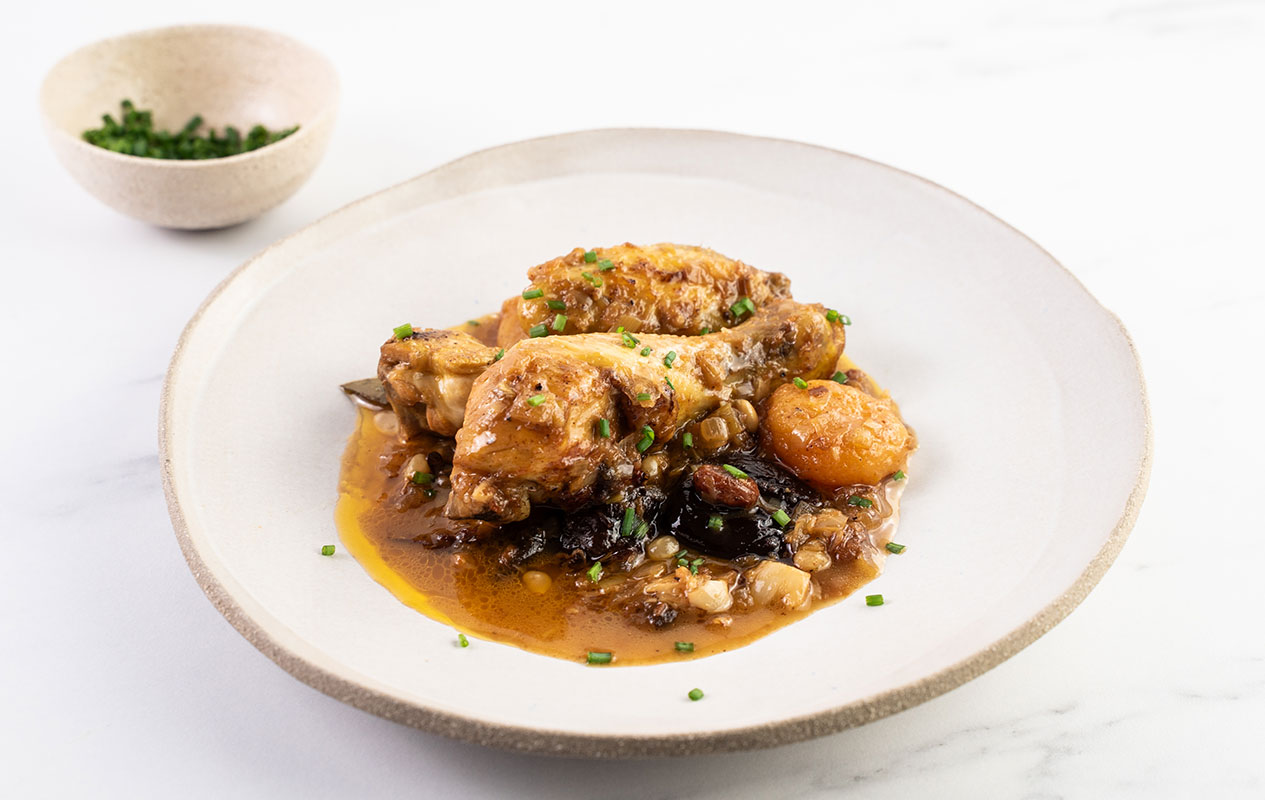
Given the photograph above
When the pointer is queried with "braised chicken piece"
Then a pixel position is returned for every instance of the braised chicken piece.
(661, 288)
(566, 420)
(658, 288)
(427, 376)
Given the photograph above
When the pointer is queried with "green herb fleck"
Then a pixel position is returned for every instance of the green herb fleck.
(831, 315)
(715, 522)
(532, 294)
(799, 382)
(706, 330)
(590, 256)
(604, 428)
(535, 400)
(327, 550)
(647, 439)
(781, 518)
(499, 355)
(629, 340)
(643, 397)
(403, 332)
(892, 547)
(642, 530)
(899, 475)
(669, 359)
(696, 694)
(474, 323)
(630, 519)
(421, 478)
(537, 330)
(556, 305)
(839, 377)
(645, 351)
(595, 571)
(734, 471)
(591, 278)
(462, 641)
(860, 502)
(599, 658)
(742, 307)
(684, 647)
(605, 264)
(668, 381)
(560, 323)
(874, 599)
(687, 439)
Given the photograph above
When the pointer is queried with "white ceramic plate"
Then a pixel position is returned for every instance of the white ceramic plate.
(1025, 392)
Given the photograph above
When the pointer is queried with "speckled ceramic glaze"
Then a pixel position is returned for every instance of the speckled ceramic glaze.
(1026, 394)
(231, 76)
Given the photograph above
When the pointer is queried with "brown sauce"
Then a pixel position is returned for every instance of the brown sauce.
(453, 571)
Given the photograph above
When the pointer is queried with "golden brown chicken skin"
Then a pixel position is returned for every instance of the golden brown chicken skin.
(659, 288)
(427, 376)
(534, 429)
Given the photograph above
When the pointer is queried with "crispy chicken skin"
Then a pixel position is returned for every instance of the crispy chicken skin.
(658, 288)
(531, 432)
(428, 375)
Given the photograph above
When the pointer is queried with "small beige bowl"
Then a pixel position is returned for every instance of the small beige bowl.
(230, 75)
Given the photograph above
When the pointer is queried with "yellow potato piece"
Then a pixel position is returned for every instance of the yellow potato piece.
(836, 435)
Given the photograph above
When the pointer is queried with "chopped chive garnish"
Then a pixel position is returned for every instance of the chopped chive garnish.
(696, 694)
(734, 471)
(532, 294)
(706, 330)
(537, 330)
(462, 641)
(861, 502)
(831, 315)
(620, 329)
(327, 550)
(472, 322)
(687, 439)
(642, 530)
(743, 306)
(630, 519)
(694, 565)
(781, 518)
(595, 571)
(645, 351)
(892, 547)
(535, 400)
(599, 658)
(605, 264)
(560, 322)
(421, 478)
(403, 332)
(647, 439)
(715, 522)
(591, 278)
(669, 358)
(590, 256)
(899, 475)
(684, 647)
(499, 355)
(643, 397)
(556, 305)
(799, 382)
(668, 381)
(846, 319)
(604, 428)
(630, 341)
(874, 599)
(839, 377)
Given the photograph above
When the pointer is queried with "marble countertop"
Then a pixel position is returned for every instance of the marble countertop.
(1125, 137)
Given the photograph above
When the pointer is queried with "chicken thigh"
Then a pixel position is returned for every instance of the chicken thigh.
(565, 421)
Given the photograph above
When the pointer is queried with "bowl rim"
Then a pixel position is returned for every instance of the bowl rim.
(328, 106)
(544, 741)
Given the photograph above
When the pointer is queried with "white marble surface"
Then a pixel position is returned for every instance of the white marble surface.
(1123, 136)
